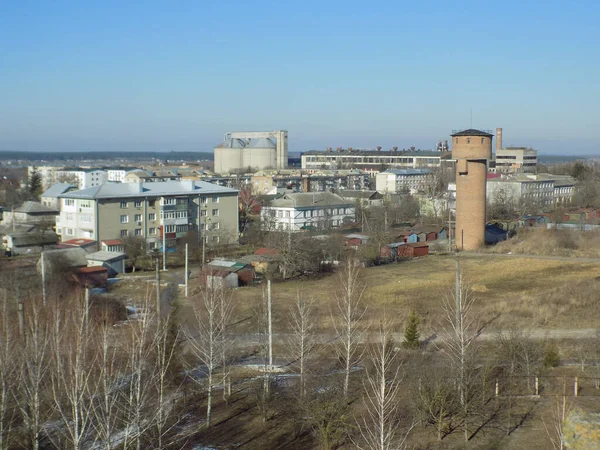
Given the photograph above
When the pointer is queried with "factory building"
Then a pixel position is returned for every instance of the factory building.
(257, 150)
(514, 159)
(373, 160)
(472, 150)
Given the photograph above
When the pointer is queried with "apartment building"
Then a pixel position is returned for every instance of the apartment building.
(116, 210)
(307, 211)
(398, 181)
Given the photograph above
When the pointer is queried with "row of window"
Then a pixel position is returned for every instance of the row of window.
(168, 229)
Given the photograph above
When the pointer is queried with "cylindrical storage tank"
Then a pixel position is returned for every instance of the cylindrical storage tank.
(472, 150)
(228, 156)
(260, 154)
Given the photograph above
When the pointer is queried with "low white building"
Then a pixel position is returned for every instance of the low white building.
(117, 174)
(543, 190)
(516, 160)
(311, 210)
(396, 181)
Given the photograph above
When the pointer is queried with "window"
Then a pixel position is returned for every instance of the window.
(182, 201)
(168, 201)
(181, 214)
(215, 239)
(69, 216)
(85, 203)
(152, 203)
(169, 228)
(152, 216)
(181, 228)
(124, 218)
(215, 212)
(123, 233)
(468, 140)
(287, 213)
(203, 213)
(215, 199)
(482, 140)
(138, 204)
(203, 200)
(69, 232)
(152, 231)
(456, 140)
(123, 205)
(85, 218)
(215, 226)
(69, 202)
(138, 231)
(137, 218)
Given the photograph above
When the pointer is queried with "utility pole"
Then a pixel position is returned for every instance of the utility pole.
(186, 270)
(87, 308)
(157, 286)
(43, 280)
(449, 230)
(270, 324)
(164, 248)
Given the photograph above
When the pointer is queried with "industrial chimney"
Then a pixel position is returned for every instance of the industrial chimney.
(498, 139)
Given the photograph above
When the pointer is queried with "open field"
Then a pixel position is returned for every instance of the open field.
(523, 292)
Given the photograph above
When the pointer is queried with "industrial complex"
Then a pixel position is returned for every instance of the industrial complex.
(256, 150)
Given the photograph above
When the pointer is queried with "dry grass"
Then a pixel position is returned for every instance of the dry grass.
(537, 241)
(513, 291)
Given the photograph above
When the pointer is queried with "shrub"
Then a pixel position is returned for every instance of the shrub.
(552, 357)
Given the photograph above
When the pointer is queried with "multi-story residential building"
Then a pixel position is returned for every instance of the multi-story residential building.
(302, 211)
(50, 195)
(117, 174)
(83, 178)
(116, 210)
(266, 181)
(516, 159)
(397, 181)
(372, 159)
(47, 174)
(543, 190)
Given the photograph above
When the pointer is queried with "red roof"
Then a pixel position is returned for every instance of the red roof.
(112, 242)
(493, 175)
(79, 242)
(418, 244)
(267, 251)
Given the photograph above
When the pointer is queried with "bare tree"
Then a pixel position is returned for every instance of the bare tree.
(72, 372)
(380, 425)
(212, 312)
(460, 332)
(302, 340)
(555, 429)
(347, 320)
(8, 373)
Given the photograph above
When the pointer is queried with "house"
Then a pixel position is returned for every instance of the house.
(88, 245)
(218, 278)
(413, 250)
(31, 213)
(354, 240)
(62, 259)
(390, 251)
(364, 198)
(307, 211)
(112, 245)
(259, 263)
(114, 262)
(244, 271)
(28, 243)
(114, 210)
(430, 232)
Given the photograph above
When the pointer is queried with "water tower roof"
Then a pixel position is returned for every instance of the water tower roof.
(472, 132)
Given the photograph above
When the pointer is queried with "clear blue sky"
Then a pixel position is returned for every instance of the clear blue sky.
(150, 75)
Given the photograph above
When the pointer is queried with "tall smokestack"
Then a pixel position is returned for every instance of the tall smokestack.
(498, 139)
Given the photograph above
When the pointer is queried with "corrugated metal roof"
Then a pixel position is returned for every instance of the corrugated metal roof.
(261, 143)
(232, 143)
(30, 207)
(105, 256)
(58, 188)
(150, 189)
(408, 171)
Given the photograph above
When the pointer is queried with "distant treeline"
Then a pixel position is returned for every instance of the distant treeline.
(134, 156)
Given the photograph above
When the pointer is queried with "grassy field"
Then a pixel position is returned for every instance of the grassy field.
(509, 292)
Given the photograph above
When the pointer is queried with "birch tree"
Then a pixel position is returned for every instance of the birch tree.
(460, 332)
(212, 311)
(346, 322)
(72, 372)
(8, 371)
(380, 424)
(302, 340)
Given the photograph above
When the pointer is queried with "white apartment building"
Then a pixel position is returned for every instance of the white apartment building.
(307, 211)
(397, 181)
(117, 174)
(47, 174)
(83, 178)
(116, 210)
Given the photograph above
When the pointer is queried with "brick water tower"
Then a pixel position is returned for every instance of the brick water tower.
(472, 150)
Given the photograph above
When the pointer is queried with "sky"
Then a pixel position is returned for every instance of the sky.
(162, 76)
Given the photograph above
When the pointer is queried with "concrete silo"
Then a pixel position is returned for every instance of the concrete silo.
(228, 155)
(472, 150)
(259, 153)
